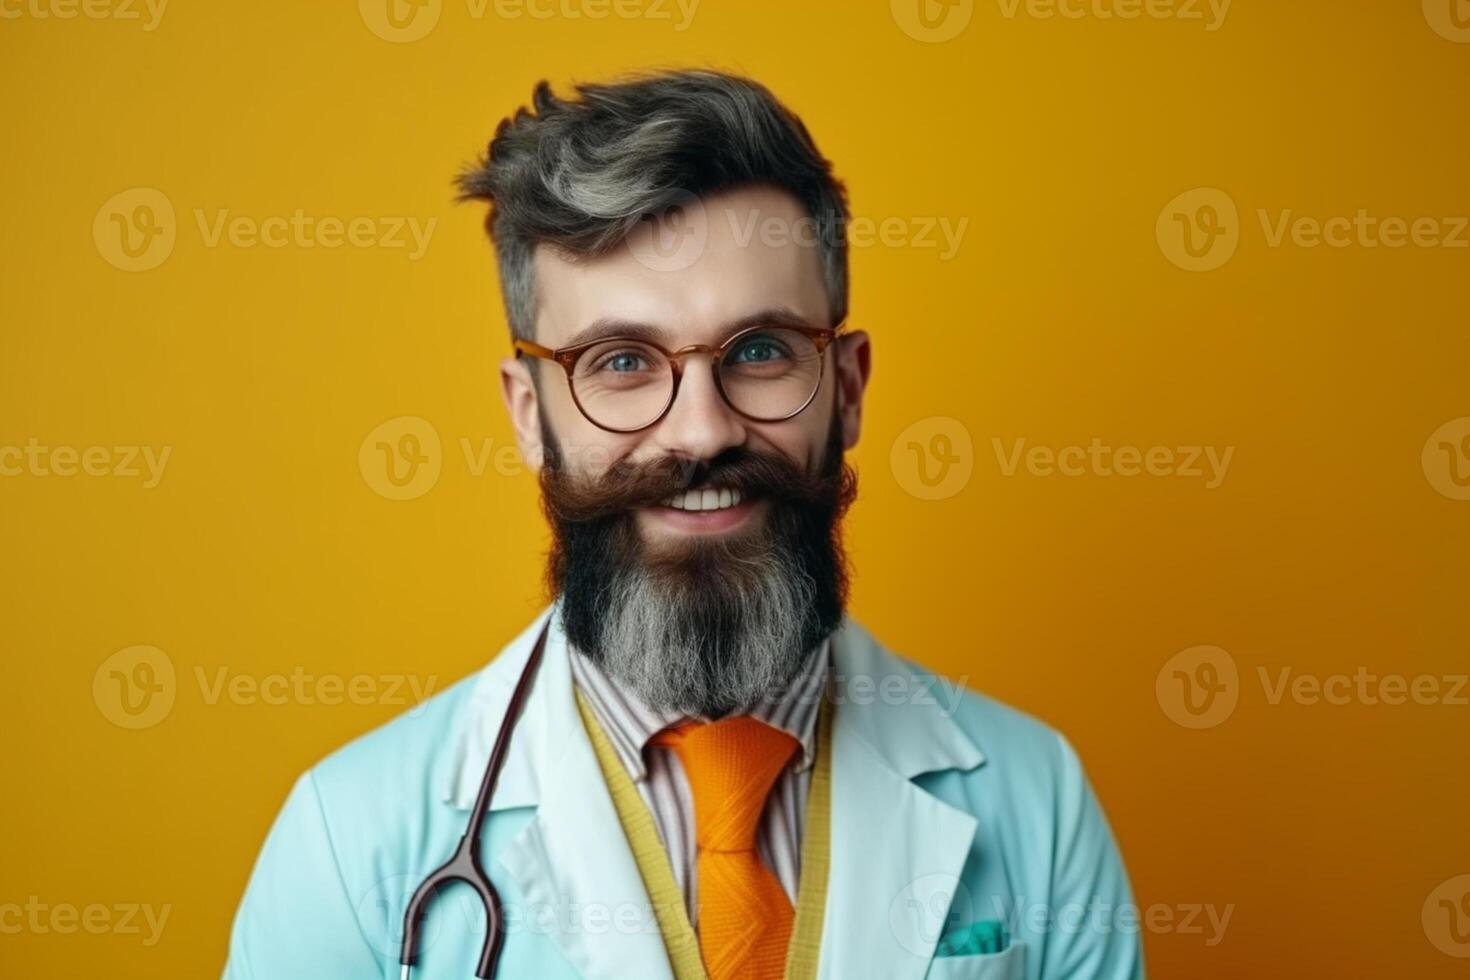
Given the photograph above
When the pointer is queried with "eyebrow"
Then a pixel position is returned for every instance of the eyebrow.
(608, 326)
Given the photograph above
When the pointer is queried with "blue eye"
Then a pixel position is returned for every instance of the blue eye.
(623, 361)
(755, 350)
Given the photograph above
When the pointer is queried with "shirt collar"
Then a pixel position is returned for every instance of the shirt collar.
(630, 722)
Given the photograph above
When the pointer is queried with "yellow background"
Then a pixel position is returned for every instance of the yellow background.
(265, 548)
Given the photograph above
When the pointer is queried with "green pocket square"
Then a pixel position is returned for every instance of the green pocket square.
(987, 936)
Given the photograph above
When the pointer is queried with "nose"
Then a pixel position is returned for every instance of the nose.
(700, 424)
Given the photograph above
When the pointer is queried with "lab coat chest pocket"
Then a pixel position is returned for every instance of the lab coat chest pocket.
(1009, 964)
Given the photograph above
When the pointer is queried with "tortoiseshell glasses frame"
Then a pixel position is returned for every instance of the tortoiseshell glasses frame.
(569, 358)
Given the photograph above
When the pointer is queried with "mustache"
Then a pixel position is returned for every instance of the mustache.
(628, 485)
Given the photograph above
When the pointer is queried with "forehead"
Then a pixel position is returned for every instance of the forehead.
(692, 273)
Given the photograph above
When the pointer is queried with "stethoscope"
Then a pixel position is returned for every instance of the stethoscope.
(464, 865)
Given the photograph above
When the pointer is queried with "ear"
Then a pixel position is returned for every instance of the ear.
(518, 389)
(853, 356)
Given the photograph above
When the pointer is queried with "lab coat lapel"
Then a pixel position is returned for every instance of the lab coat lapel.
(572, 860)
(896, 850)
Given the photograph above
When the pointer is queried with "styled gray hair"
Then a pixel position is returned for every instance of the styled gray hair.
(581, 173)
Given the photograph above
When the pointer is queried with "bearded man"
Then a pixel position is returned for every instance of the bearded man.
(693, 762)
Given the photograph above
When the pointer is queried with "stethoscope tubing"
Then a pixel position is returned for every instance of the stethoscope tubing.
(464, 865)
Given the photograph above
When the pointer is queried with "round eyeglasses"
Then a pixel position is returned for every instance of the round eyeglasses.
(623, 384)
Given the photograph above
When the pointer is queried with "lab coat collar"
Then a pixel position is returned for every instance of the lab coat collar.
(899, 712)
(572, 860)
(533, 741)
(897, 851)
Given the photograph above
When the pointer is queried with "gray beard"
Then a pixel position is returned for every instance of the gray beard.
(711, 647)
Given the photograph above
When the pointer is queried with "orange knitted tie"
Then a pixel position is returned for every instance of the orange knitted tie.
(745, 917)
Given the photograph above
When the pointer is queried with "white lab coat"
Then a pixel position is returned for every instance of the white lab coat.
(947, 808)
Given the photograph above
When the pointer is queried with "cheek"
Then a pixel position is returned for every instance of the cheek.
(585, 449)
(802, 439)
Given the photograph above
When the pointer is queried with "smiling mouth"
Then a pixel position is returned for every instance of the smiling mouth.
(711, 498)
(704, 510)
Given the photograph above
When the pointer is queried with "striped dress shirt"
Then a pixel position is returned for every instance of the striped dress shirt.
(659, 776)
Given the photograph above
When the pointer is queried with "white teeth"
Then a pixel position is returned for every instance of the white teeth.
(708, 499)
